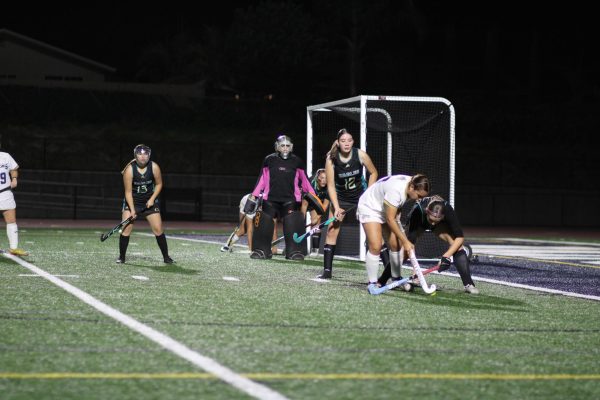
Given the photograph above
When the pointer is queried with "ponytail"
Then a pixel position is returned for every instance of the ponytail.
(126, 166)
(420, 182)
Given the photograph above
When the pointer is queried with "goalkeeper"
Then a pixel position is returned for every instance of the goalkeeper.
(437, 215)
(282, 181)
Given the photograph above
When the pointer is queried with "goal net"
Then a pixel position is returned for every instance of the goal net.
(402, 135)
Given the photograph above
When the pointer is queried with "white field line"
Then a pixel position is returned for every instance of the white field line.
(246, 385)
(475, 278)
(62, 276)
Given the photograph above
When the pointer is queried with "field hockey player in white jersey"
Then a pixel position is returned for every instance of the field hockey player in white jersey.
(379, 213)
(9, 173)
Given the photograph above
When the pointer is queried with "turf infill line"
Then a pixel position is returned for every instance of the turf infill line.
(300, 376)
(246, 385)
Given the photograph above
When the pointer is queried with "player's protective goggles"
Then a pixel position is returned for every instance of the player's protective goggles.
(142, 149)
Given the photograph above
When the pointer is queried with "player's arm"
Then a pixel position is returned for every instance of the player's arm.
(330, 174)
(451, 219)
(391, 218)
(158, 184)
(128, 185)
(368, 163)
(262, 182)
(14, 174)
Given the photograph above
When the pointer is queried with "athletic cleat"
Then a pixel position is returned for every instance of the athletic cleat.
(325, 275)
(18, 252)
(471, 289)
(225, 248)
(169, 260)
(120, 260)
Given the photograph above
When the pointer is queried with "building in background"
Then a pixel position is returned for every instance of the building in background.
(24, 60)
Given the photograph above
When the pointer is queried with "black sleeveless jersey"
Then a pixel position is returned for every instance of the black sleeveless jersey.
(349, 180)
(143, 184)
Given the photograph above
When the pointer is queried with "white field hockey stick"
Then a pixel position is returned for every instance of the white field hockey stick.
(426, 288)
(373, 289)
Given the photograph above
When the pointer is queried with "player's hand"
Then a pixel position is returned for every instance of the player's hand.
(339, 214)
(444, 264)
(408, 247)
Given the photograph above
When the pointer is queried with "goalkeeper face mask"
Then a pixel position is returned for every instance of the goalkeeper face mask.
(284, 146)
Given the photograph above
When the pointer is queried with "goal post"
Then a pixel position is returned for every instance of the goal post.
(402, 135)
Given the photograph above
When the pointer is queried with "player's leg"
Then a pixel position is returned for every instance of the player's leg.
(333, 231)
(461, 261)
(373, 230)
(155, 221)
(396, 255)
(12, 231)
(124, 236)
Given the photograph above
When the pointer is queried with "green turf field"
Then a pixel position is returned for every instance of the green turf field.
(269, 322)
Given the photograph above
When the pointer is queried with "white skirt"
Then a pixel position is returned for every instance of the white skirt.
(7, 201)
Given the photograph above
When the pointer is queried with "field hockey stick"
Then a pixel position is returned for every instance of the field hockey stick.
(229, 244)
(426, 288)
(379, 290)
(299, 239)
(121, 225)
(280, 239)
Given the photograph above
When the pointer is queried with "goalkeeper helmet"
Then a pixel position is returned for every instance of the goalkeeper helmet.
(284, 146)
(435, 209)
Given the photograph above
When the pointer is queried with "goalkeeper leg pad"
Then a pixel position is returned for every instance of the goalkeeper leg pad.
(263, 233)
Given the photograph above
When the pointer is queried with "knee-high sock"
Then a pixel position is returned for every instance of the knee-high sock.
(123, 243)
(461, 262)
(372, 264)
(328, 252)
(396, 260)
(162, 244)
(13, 235)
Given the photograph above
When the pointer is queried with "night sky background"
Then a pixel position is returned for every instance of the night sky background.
(523, 78)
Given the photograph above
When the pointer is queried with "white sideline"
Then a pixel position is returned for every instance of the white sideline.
(246, 385)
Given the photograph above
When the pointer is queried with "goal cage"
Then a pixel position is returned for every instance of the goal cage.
(402, 135)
